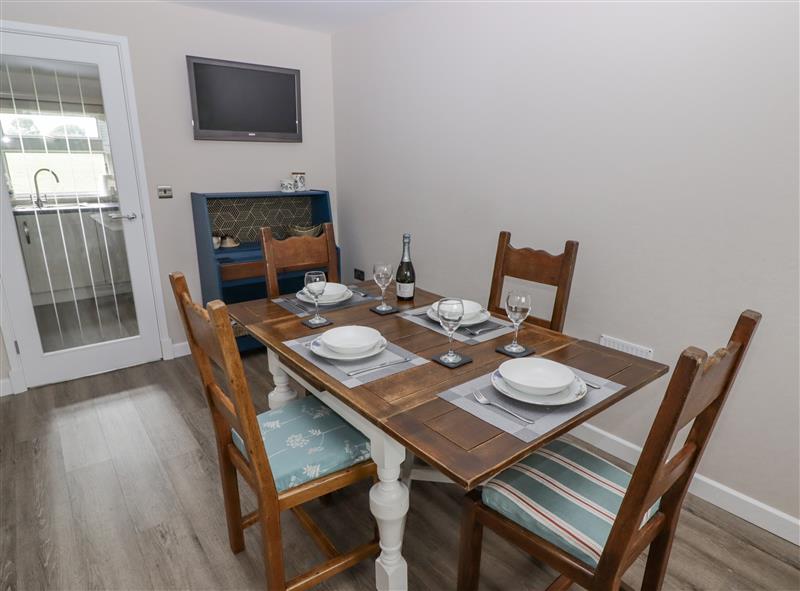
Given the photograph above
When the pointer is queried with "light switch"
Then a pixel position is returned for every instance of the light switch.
(164, 192)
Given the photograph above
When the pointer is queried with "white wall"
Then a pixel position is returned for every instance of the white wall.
(4, 368)
(662, 136)
(160, 36)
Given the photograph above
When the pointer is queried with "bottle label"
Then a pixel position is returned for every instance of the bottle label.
(405, 290)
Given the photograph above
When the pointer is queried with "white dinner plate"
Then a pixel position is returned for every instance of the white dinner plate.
(536, 376)
(327, 301)
(478, 318)
(470, 308)
(318, 348)
(350, 340)
(574, 392)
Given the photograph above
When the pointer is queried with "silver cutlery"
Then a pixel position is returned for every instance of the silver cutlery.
(483, 400)
(357, 290)
(478, 331)
(591, 385)
(356, 372)
(299, 306)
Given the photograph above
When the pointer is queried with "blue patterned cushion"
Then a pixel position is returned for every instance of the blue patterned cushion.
(564, 494)
(306, 440)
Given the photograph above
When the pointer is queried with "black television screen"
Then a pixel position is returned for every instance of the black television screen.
(235, 101)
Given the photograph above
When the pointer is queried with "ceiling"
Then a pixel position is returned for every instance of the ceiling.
(321, 15)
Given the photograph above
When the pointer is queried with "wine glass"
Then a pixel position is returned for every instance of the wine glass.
(450, 311)
(315, 287)
(518, 306)
(382, 273)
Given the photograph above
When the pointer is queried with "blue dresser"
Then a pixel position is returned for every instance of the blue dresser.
(242, 215)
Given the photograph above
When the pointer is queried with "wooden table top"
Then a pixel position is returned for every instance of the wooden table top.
(406, 406)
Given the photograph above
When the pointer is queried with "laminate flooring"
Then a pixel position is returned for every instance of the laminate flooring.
(110, 482)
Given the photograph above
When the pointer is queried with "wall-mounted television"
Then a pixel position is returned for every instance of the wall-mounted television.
(244, 102)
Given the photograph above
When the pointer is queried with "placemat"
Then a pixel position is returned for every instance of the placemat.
(464, 334)
(338, 369)
(302, 309)
(546, 418)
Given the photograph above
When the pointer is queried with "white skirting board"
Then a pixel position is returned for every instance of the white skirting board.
(750, 509)
(14, 383)
(181, 349)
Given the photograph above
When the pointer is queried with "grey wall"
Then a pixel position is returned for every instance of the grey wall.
(662, 136)
(160, 35)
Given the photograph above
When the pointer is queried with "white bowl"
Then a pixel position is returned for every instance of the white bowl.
(537, 376)
(350, 340)
(471, 309)
(333, 291)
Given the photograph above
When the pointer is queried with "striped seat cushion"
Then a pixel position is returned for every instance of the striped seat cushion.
(564, 494)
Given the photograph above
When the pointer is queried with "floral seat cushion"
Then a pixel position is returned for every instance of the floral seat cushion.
(564, 494)
(305, 440)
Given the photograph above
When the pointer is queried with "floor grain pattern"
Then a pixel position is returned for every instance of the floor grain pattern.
(110, 482)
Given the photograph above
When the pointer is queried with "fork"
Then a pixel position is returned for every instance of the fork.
(485, 401)
(357, 290)
(478, 331)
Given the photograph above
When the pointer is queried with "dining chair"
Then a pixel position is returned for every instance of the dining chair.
(589, 519)
(288, 456)
(537, 266)
(299, 253)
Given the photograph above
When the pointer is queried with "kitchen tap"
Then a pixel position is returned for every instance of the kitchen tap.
(39, 203)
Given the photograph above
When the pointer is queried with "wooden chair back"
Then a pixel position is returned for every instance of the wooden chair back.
(537, 266)
(696, 392)
(211, 341)
(298, 253)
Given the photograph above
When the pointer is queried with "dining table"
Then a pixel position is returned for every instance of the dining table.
(404, 415)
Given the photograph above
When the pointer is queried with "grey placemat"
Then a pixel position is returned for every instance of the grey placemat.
(547, 418)
(303, 309)
(463, 334)
(338, 369)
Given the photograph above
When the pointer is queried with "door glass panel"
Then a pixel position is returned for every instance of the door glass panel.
(58, 168)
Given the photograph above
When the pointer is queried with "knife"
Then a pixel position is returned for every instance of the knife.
(356, 372)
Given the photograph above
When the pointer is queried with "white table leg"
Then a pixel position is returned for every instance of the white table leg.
(388, 499)
(282, 393)
(388, 502)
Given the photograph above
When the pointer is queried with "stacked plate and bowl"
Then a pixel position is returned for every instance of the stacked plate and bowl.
(538, 381)
(474, 313)
(348, 343)
(335, 293)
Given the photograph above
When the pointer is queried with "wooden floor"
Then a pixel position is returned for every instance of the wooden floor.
(110, 482)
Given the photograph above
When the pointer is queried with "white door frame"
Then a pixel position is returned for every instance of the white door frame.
(18, 383)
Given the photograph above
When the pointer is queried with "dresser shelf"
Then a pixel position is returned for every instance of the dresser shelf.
(241, 214)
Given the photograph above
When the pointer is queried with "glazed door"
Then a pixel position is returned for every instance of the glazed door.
(74, 262)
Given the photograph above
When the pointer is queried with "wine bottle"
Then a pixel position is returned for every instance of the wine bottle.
(405, 277)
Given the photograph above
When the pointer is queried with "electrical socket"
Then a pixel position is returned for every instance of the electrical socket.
(358, 274)
(164, 192)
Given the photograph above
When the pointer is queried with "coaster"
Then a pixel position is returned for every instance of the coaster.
(320, 325)
(525, 353)
(392, 310)
(464, 360)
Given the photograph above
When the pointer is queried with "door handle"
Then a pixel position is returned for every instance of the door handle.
(119, 216)
(27, 232)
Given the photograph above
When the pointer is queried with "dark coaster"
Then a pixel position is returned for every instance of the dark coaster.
(320, 325)
(392, 310)
(464, 361)
(525, 353)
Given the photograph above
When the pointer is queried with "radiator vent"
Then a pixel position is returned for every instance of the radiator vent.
(626, 346)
